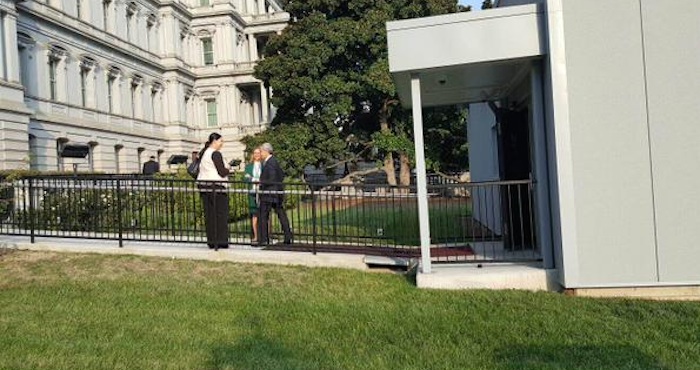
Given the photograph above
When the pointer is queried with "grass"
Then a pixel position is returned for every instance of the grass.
(383, 223)
(70, 311)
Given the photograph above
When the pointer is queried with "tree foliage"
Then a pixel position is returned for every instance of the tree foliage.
(330, 78)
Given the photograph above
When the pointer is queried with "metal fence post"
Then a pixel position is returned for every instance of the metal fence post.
(119, 214)
(32, 236)
(313, 220)
(172, 208)
(335, 224)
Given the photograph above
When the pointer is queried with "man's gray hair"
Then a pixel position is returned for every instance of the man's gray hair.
(266, 147)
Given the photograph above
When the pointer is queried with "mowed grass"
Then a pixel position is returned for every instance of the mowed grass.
(71, 311)
(381, 223)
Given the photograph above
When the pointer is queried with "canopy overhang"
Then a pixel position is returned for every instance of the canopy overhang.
(459, 58)
(465, 57)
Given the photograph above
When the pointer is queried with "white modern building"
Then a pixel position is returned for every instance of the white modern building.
(127, 79)
(605, 94)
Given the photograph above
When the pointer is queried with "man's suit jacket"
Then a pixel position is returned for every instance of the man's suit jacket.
(151, 167)
(271, 178)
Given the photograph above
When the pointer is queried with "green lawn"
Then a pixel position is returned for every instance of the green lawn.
(69, 311)
(381, 223)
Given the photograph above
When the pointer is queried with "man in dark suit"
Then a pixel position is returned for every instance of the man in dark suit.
(151, 167)
(271, 196)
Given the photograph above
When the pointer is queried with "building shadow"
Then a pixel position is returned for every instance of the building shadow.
(575, 357)
(259, 350)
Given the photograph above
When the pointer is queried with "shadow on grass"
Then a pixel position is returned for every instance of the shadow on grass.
(618, 357)
(255, 353)
(260, 350)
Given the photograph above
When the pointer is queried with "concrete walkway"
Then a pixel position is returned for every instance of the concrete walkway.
(236, 253)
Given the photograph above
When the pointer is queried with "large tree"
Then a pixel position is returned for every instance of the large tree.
(330, 78)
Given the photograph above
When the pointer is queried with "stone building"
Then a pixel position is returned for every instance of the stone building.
(122, 80)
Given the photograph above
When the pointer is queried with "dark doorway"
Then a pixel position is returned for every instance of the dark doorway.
(515, 164)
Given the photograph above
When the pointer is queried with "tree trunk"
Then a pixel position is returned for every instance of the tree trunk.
(405, 174)
(389, 168)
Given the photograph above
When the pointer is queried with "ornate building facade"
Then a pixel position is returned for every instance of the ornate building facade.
(123, 80)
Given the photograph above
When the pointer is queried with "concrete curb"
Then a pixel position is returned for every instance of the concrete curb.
(236, 253)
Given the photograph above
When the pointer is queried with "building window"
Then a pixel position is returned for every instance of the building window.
(212, 119)
(110, 92)
(53, 66)
(78, 8)
(208, 51)
(203, 2)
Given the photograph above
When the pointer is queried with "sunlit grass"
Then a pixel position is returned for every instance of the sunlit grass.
(66, 311)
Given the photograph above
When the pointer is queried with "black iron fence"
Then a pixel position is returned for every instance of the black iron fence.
(468, 221)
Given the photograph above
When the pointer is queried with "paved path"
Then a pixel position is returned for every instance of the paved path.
(237, 253)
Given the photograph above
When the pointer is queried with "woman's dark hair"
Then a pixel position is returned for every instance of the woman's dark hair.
(212, 138)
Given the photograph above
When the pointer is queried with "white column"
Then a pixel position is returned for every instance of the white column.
(12, 56)
(148, 103)
(61, 79)
(185, 49)
(42, 70)
(173, 102)
(108, 16)
(156, 102)
(89, 11)
(236, 105)
(264, 103)
(227, 109)
(141, 30)
(255, 104)
(421, 180)
(72, 81)
(4, 51)
(228, 43)
(117, 95)
(151, 35)
(138, 104)
(91, 90)
(119, 17)
(541, 166)
(99, 93)
(101, 90)
(168, 36)
(253, 47)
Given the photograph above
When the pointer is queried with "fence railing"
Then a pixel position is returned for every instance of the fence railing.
(469, 222)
